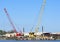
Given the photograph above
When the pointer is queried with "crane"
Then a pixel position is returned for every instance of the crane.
(17, 34)
(10, 20)
(40, 16)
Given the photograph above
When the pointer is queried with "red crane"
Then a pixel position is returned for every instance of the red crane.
(17, 34)
(10, 20)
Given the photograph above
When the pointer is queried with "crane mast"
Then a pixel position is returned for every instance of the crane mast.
(40, 16)
(10, 20)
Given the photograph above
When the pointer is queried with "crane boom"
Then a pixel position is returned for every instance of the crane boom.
(10, 20)
(40, 16)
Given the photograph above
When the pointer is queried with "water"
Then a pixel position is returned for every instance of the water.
(29, 40)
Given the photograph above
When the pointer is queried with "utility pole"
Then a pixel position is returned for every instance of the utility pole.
(42, 32)
(23, 30)
(42, 29)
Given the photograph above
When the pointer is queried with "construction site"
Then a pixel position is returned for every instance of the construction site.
(30, 35)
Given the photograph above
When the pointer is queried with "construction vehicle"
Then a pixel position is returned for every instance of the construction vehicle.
(31, 34)
(17, 33)
(40, 16)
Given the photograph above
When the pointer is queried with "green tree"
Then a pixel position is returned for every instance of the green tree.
(2, 32)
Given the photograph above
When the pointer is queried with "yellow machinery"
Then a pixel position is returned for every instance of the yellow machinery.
(31, 34)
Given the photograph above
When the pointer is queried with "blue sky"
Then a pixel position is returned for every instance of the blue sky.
(24, 13)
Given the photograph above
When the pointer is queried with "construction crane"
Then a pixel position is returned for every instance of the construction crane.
(10, 20)
(40, 16)
(18, 34)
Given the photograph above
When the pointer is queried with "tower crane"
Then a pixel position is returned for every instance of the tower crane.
(17, 34)
(40, 16)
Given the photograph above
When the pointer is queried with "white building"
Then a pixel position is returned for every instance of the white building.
(26, 34)
(10, 34)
